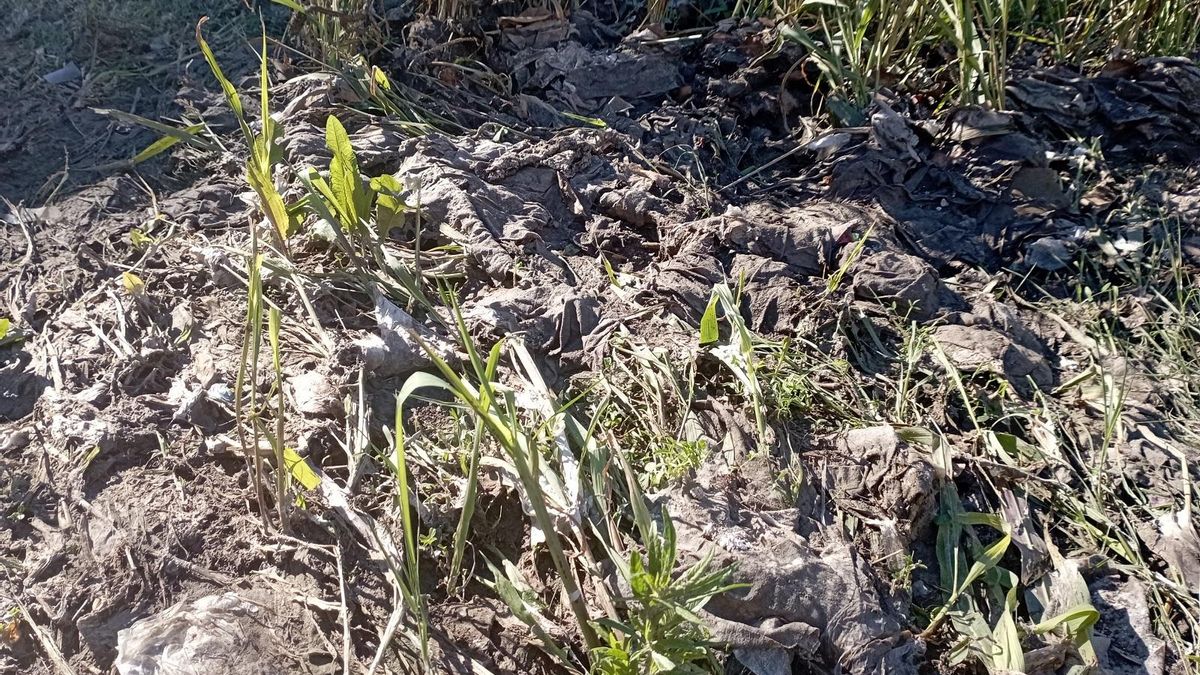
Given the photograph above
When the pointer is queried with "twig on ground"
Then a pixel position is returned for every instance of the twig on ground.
(51, 649)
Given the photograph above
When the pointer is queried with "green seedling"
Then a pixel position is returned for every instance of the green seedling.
(494, 407)
(277, 439)
(357, 216)
(410, 583)
(739, 353)
(265, 152)
(660, 632)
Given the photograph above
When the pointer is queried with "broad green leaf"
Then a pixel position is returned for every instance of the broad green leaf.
(975, 639)
(1066, 587)
(269, 152)
(187, 134)
(949, 556)
(381, 78)
(387, 183)
(661, 662)
(278, 212)
(324, 201)
(709, 332)
(389, 205)
(133, 284)
(140, 239)
(274, 324)
(389, 212)
(845, 112)
(264, 154)
(344, 178)
(162, 145)
(1009, 448)
(301, 472)
(590, 121)
(668, 549)
(991, 520)
(468, 510)
(1077, 620)
(319, 201)
(987, 560)
(639, 580)
(1009, 656)
(258, 175)
(400, 467)
(493, 362)
(90, 456)
(182, 134)
(612, 273)
(421, 380)
(5, 325)
(951, 560)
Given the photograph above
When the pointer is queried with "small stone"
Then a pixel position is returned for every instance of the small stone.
(314, 394)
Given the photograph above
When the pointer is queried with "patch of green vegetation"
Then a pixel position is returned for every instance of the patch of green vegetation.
(543, 447)
(861, 46)
(670, 458)
(659, 457)
(9, 334)
(661, 632)
(791, 393)
(334, 31)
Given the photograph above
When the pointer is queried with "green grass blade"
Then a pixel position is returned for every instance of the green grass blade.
(468, 509)
(709, 332)
(186, 134)
(227, 88)
(161, 145)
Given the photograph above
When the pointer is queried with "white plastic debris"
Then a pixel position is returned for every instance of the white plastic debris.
(395, 349)
(67, 73)
(215, 634)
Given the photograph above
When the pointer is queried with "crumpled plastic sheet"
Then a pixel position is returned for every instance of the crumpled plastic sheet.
(220, 634)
